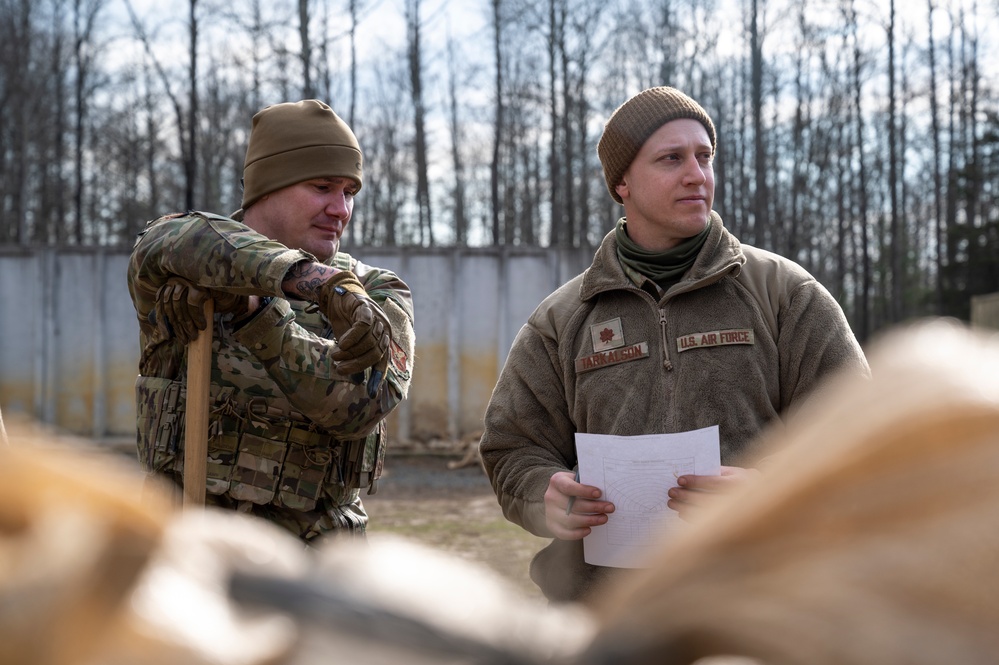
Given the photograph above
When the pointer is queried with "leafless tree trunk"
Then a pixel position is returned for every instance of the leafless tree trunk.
(191, 161)
(457, 140)
(667, 67)
(17, 49)
(973, 168)
(498, 123)
(937, 176)
(760, 199)
(383, 198)
(556, 28)
(425, 218)
(864, 288)
(305, 54)
(54, 199)
(584, 44)
(897, 247)
(839, 145)
(152, 142)
(353, 9)
(797, 138)
(570, 226)
(84, 17)
(953, 142)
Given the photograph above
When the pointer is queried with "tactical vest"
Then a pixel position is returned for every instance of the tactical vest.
(260, 449)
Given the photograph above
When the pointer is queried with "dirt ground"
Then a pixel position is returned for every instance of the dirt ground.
(453, 510)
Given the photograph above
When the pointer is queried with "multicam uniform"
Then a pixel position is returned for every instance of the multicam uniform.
(290, 439)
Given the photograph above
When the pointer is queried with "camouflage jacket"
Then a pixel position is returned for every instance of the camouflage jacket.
(274, 368)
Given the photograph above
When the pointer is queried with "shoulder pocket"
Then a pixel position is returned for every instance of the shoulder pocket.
(233, 232)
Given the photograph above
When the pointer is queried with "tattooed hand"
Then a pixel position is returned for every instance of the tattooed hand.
(304, 279)
(362, 330)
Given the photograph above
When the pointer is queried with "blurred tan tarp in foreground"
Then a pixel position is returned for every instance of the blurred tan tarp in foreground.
(872, 538)
(98, 569)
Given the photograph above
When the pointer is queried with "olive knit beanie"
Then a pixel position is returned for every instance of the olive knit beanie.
(292, 142)
(635, 121)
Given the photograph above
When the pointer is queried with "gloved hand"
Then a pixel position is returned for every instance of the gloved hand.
(362, 330)
(180, 308)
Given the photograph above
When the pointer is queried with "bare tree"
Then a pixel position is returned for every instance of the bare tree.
(186, 128)
(935, 139)
(498, 121)
(556, 44)
(415, 55)
(84, 18)
(802, 99)
(383, 198)
(305, 53)
(864, 288)
(760, 198)
(53, 203)
(457, 140)
(17, 42)
(191, 160)
(897, 247)
(353, 10)
(953, 143)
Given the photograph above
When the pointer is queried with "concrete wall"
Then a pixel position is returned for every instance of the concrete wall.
(69, 337)
(985, 311)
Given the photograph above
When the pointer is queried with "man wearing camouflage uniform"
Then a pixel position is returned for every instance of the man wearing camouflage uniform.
(311, 348)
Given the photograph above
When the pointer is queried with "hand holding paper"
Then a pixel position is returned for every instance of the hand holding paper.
(571, 508)
(636, 474)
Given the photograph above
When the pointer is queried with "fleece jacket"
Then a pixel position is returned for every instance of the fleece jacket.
(741, 339)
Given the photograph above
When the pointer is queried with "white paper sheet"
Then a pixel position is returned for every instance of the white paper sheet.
(635, 473)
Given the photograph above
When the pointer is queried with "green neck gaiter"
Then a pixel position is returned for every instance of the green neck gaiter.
(663, 268)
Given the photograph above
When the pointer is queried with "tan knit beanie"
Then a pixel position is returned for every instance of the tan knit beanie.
(292, 142)
(635, 121)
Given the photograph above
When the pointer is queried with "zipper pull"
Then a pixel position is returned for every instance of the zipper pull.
(667, 365)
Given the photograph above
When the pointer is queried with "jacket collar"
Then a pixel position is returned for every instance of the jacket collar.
(722, 254)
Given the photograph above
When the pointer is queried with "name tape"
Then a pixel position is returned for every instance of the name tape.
(615, 357)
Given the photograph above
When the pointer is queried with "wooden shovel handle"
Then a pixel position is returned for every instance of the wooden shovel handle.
(199, 376)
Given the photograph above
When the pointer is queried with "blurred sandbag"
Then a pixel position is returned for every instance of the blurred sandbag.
(72, 542)
(180, 610)
(98, 567)
(873, 537)
(390, 600)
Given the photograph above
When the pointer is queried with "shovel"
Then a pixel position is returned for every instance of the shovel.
(199, 374)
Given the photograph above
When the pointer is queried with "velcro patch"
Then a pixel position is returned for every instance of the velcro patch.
(607, 335)
(715, 338)
(614, 357)
(400, 359)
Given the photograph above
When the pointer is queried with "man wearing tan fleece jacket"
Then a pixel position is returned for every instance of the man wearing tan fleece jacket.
(675, 326)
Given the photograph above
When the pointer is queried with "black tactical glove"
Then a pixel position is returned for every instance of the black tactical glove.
(362, 330)
(180, 308)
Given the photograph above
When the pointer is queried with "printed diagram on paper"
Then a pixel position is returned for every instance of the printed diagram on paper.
(636, 473)
(637, 490)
